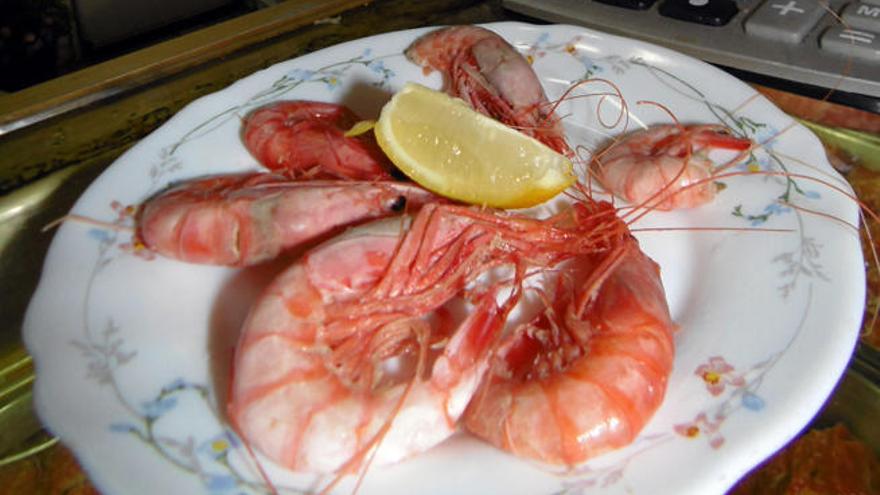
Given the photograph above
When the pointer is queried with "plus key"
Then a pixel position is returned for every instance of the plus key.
(791, 6)
(787, 21)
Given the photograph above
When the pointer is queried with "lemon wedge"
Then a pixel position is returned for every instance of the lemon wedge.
(457, 152)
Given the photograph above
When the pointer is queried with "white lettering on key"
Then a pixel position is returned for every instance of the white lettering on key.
(868, 11)
(857, 36)
(791, 6)
(698, 3)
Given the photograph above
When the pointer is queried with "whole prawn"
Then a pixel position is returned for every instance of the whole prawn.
(585, 375)
(483, 69)
(248, 218)
(666, 167)
(307, 139)
(312, 388)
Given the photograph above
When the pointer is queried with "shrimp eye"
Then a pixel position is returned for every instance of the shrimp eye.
(398, 204)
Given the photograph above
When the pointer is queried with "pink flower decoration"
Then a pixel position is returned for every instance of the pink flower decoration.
(135, 246)
(138, 249)
(717, 374)
(701, 425)
(123, 212)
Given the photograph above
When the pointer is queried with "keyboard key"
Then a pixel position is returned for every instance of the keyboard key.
(862, 16)
(709, 12)
(630, 4)
(861, 45)
(787, 21)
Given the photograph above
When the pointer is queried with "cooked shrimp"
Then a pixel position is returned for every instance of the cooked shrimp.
(666, 166)
(586, 374)
(307, 138)
(314, 387)
(246, 219)
(483, 69)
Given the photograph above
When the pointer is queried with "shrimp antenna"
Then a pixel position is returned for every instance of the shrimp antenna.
(828, 175)
(665, 110)
(788, 175)
(273, 490)
(819, 214)
(511, 302)
(733, 161)
(748, 101)
(623, 114)
(849, 58)
(73, 217)
(362, 460)
(712, 229)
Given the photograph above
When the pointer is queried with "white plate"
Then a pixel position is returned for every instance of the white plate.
(132, 354)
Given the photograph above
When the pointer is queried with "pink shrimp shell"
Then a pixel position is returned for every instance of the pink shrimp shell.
(245, 219)
(301, 138)
(480, 67)
(602, 398)
(291, 402)
(665, 167)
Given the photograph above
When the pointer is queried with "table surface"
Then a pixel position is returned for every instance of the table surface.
(55, 470)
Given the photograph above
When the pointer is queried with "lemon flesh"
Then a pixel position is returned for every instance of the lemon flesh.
(449, 148)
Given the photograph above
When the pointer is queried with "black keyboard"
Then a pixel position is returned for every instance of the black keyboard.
(798, 41)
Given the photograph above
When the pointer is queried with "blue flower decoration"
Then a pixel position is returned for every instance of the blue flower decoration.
(332, 81)
(759, 162)
(219, 482)
(776, 209)
(219, 444)
(99, 235)
(122, 428)
(752, 401)
(176, 384)
(156, 408)
(770, 210)
(588, 64)
(813, 194)
(377, 66)
(766, 135)
(366, 53)
(542, 38)
(301, 74)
